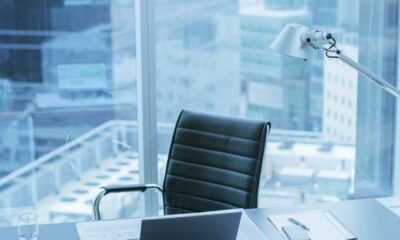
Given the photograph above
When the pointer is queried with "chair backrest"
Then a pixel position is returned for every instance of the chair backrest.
(214, 163)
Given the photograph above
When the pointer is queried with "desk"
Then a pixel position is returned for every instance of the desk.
(367, 219)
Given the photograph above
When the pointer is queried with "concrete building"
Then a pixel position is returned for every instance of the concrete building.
(276, 87)
(197, 57)
(340, 96)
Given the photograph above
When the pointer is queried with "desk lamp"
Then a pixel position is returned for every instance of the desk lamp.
(300, 41)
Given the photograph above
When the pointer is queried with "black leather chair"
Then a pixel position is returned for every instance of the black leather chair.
(214, 163)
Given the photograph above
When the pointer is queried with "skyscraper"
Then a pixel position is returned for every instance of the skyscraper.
(276, 86)
(197, 57)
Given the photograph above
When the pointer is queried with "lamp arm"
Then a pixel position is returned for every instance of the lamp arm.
(376, 79)
(287, 42)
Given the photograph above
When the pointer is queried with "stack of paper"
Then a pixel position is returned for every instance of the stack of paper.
(323, 225)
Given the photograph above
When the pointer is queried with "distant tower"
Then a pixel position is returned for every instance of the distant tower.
(276, 86)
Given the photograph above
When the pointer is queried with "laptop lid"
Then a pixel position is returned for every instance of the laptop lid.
(219, 225)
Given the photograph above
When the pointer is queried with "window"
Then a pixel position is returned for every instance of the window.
(242, 87)
(376, 109)
(202, 88)
(68, 106)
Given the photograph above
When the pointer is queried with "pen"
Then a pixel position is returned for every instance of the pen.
(294, 221)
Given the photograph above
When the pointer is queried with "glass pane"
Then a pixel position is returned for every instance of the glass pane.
(193, 45)
(214, 56)
(68, 106)
(376, 124)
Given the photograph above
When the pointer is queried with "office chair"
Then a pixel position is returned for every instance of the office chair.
(214, 163)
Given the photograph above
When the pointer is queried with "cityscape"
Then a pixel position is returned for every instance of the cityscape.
(68, 109)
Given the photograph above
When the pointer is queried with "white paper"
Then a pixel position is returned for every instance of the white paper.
(248, 229)
(322, 224)
(127, 229)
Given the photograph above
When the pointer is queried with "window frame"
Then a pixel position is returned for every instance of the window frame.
(396, 169)
(147, 99)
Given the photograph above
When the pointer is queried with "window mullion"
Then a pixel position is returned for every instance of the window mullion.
(146, 87)
(396, 170)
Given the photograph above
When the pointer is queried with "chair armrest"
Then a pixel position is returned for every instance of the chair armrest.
(117, 189)
(130, 188)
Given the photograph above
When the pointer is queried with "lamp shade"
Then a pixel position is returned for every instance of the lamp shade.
(289, 43)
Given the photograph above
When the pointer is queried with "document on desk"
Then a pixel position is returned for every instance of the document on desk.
(248, 230)
(322, 224)
(129, 229)
(126, 229)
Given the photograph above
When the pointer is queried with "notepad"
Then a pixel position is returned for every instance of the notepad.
(323, 225)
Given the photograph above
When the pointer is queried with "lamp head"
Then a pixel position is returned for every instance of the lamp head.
(296, 41)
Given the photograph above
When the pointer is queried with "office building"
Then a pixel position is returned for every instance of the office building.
(279, 88)
(340, 94)
(193, 46)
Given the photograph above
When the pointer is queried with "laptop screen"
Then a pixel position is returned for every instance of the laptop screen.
(200, 226)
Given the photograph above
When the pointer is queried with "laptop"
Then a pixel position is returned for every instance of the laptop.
(220, 225)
